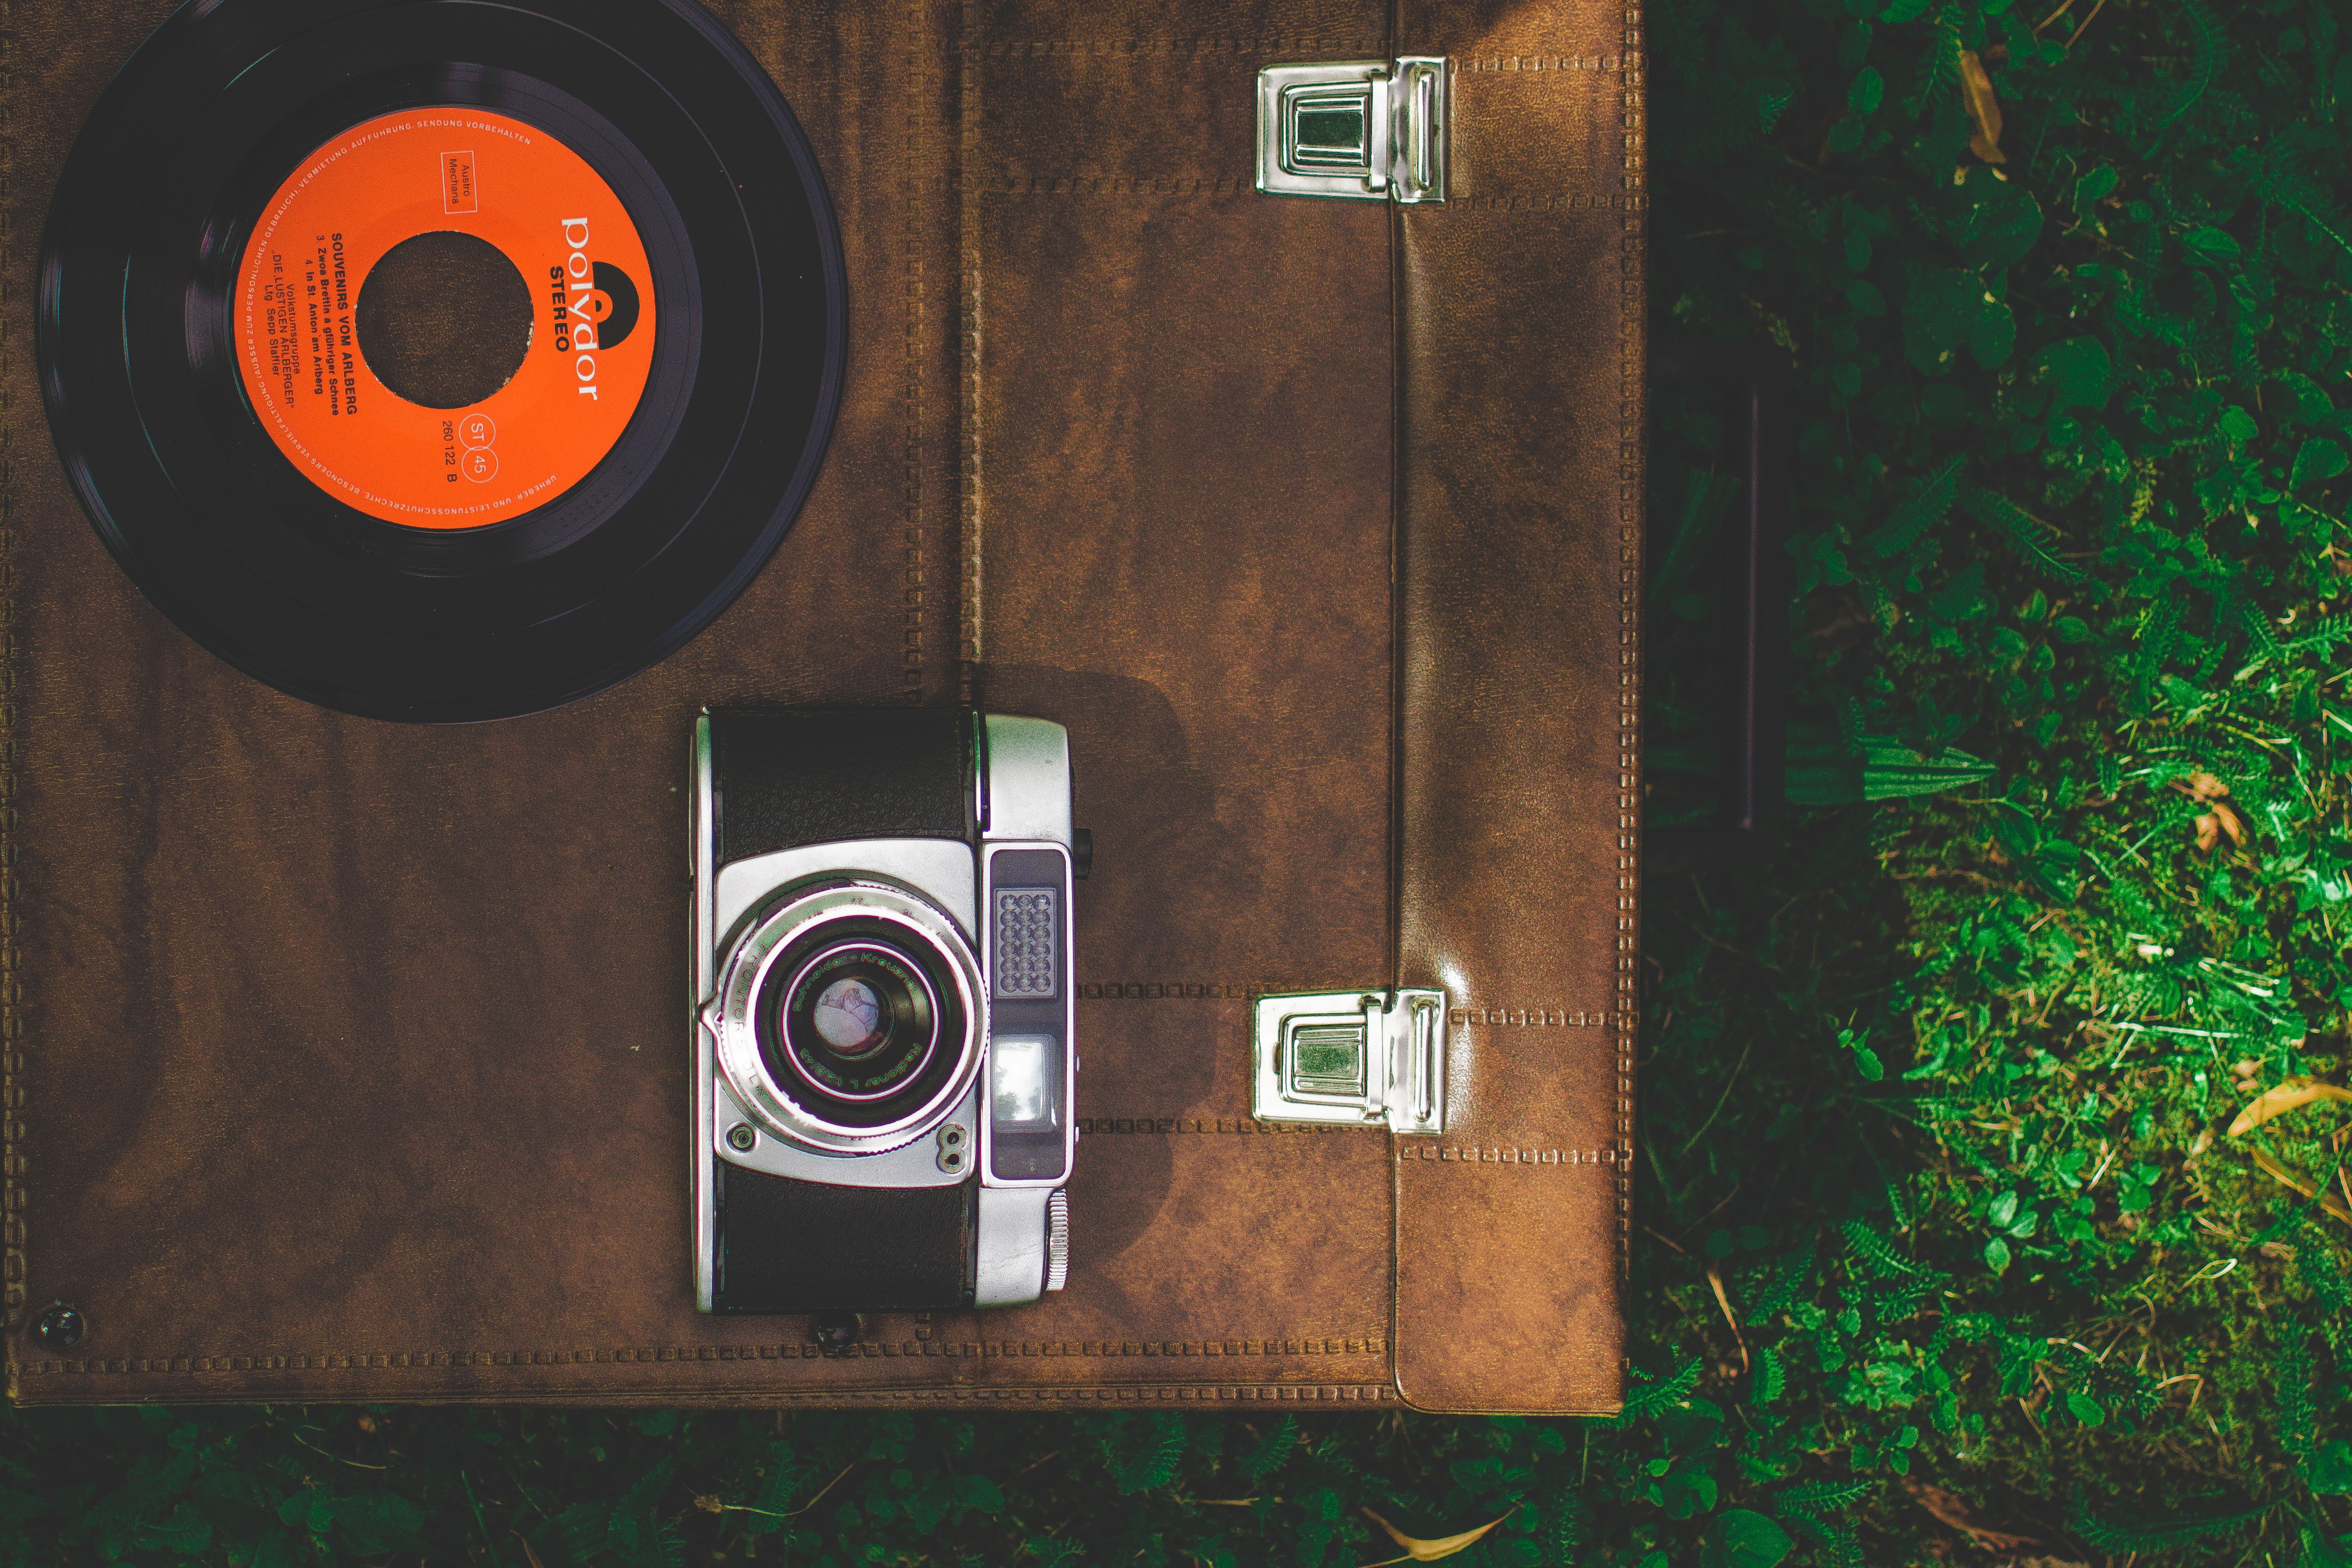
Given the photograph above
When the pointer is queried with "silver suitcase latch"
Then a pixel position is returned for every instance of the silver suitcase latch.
(1367, 129)
(1352, 1058)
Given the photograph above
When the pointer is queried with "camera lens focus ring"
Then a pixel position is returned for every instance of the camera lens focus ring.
(848, 1019)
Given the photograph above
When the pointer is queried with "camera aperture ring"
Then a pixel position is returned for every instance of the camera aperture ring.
(794, 1111)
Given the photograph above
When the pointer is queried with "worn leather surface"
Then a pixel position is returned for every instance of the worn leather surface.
(348, 1060)
(1519, 376)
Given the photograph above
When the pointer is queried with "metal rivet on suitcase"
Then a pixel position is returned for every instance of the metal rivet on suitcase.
(60, 1325)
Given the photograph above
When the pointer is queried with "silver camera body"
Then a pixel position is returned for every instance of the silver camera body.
(884, 1063)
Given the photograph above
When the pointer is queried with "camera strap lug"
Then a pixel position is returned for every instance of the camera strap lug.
(1359, 130)
(1352, 1058)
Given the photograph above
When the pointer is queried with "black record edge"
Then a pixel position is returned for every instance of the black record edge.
(686, 580)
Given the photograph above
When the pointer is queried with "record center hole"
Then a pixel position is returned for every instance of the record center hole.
(444, 320)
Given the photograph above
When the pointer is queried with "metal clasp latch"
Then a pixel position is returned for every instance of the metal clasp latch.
(1352, 1058)
(1369, 129)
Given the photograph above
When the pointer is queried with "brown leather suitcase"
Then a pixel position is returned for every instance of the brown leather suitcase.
(345, 1060)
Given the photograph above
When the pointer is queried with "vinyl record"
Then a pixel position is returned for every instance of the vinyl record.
(441, 360)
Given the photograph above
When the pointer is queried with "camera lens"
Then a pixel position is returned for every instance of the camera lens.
(857, 1021)
(849, 1017)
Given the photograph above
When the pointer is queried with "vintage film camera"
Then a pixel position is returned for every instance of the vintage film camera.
(883, 1062)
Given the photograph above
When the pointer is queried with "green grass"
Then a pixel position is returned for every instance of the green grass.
(1940, 1212)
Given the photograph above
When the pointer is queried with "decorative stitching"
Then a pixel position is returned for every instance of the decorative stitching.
(1527, 1017)
(1102, 186)
(911, 677)
(971, 492)
(1070, 49)
(642, 1355)
(1459, 1154)
(1188, 990)
(12, 983)
(1575, 200)
(1632, 390)
(1113, 1126)
(895, 1398)
(1532, 63)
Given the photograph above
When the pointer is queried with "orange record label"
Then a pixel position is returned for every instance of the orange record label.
(511, 186)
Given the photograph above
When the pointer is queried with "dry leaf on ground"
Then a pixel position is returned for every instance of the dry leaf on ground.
(2286, 1178)
(1722, 1299)
(1984, 109)
(1959, 1516)
(1419, 1550)
(2284, 1097)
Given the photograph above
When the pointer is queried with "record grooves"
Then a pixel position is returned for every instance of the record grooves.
(255, 240)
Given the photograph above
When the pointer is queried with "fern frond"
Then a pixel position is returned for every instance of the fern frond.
(1921, 509)
(1878, 1258)
(2323, 635)
(1769, 1378)
(1898, 1300)
(1568, 1515)
(2208, 47)
(2315, 213)
(1656, 1396)
(1820, 1497)
(2157, 633)
(1790, 1272)
(2259, 630)
(2157, 1535)
(1156, 1465)
(1273, 1450)
(2298, 1412)
(2018, 527)
(1793, 1269)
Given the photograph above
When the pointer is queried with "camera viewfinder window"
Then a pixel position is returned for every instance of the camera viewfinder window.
(1021, 1098)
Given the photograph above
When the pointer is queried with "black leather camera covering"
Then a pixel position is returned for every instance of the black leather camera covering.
(798, 1247)
(782, 777)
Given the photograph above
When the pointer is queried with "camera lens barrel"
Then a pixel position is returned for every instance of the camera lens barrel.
(847, 1017)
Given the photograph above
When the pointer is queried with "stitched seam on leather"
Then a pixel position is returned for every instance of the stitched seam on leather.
(12, 1038)
(969, 455)
(1101, 184)
(1527, 1019)
(911, 677)
(890, 1398)
(1473, 1154)
(1080, 49)
(647, 1355)
(1114, 1126)
(1533, 63)
(1631, 473)
(1187, 989)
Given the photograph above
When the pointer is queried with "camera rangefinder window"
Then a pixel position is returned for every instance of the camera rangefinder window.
(1021, 1098)
(859, 1020)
